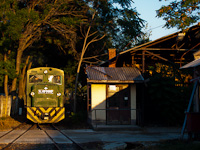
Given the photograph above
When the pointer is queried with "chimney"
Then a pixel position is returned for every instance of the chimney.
(112, 54)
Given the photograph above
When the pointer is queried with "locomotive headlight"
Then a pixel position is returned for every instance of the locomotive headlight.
(32, 94)
(58, 94)
(45, 71)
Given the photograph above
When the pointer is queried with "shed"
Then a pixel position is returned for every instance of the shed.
(112, 95)
(192, 118)
(176, 48)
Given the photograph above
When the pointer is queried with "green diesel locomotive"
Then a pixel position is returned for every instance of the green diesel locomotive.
(45, 95)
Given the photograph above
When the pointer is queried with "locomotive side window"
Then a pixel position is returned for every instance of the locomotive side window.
(35, 78)
(54, 79)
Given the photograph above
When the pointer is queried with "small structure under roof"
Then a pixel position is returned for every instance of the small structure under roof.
(112, 95)
(176, 48)
(114, 75)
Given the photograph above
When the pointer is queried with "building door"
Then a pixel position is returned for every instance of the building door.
(118, 104)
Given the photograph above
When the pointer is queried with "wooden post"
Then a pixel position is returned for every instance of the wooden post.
(188, 109)
(132, 63)
(143, 62)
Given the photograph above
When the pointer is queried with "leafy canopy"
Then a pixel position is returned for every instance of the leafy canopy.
(180, 13)
(27, 19)
(119, 20)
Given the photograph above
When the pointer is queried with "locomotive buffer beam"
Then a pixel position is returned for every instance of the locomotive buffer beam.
(45, 114)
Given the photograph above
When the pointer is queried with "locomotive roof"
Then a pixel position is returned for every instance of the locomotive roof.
(41, 69)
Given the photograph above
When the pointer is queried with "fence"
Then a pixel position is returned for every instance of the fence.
(99, 116)
(5, 106)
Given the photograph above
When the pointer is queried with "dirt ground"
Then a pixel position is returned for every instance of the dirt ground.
(164, 145)
(86, 146)
(7, 123)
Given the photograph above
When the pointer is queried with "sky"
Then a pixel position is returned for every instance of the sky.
(147, 10)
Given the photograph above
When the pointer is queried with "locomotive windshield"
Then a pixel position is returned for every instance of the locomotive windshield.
(35, 78)
(54, 79)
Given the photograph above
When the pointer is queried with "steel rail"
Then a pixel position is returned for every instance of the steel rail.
(78, 145)
(12, 129)
(8, 145)
(55, 144)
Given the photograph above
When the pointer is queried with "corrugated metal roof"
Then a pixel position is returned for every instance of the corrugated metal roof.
(194, 63)
(118, 74)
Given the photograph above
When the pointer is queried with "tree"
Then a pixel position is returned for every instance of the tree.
(167, 99)
(26, 21)
(119, 24)
(119, 20)
(86, 43)
(180, 14)
(7, 61)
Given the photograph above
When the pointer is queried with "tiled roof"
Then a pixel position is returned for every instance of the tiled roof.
(117, 74)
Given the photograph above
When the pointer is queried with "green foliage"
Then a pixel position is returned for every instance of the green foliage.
(180, 14)
(7, 68)
(167, 99)
(118, 20)
(70, 21)
(70, 71)
(23, 23)
(78, 118)
(53, 27)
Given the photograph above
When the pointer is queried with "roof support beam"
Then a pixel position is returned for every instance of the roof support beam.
(161, 49)
(156, 55)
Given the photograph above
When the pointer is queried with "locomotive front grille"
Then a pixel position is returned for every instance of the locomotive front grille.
(47, 102)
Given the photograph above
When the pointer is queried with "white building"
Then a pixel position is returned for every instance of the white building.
(112, 97)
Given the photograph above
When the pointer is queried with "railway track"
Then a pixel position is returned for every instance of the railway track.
(22, 125)
(48, 129)
(53, 127)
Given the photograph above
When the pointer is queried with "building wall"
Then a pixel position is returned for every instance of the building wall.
(98, 101)
(133, 103)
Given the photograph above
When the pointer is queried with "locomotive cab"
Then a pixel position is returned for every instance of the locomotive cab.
(45, 95)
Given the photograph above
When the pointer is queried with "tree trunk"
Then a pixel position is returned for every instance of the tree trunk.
(24, 84)
(18, 63)
(5, 78)
(21, 80)
(75, 97)
(77, 74)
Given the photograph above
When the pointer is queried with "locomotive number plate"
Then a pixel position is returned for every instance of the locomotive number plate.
(45, 91)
